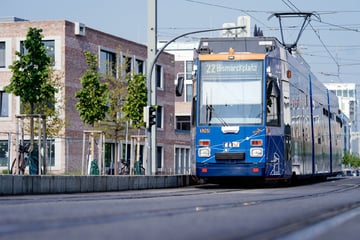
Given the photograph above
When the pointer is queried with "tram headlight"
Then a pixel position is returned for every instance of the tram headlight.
(204, 152)
(256, 152)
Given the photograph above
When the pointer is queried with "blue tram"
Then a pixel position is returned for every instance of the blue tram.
(259, 112)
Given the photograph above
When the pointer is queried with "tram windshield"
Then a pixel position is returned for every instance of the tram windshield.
(230, 92)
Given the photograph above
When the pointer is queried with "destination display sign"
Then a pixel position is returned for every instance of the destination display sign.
(231, 68)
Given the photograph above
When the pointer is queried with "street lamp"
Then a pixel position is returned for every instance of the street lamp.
(151, 133)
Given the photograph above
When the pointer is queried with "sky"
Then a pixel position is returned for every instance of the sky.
(330, 43)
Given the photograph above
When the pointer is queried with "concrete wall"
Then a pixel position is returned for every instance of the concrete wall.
(27, 184)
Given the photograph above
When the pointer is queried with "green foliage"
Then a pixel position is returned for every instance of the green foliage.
(54, 121)
(93, 97)
(136, 100)
(114, 121)
(117, 92)
(351, 160)
(30, 79)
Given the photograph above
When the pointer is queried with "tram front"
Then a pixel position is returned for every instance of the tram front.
(229, 115)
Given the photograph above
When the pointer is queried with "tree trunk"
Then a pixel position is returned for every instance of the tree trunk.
(116, 153)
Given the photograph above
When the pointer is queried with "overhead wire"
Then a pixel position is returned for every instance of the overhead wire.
(326, 47)
(294, 9)
(247, 12)
(338, 26)
(292, 6)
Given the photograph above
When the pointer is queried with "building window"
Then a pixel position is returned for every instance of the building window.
(50, 49)
(126, 151)
(109, 157)
(351, 91)
(139, 66)
(107, 63)
(339, 93)
(159, 157)
(188, 91)
(4, 153)
(183, 123)
(127, 65)
(345, 93)
(22, 48)
(50, 151)
(182, 160)
(4, 104)
(159, 116)
(49, 46)
(2, 54)
(158, 76)
(189, 70)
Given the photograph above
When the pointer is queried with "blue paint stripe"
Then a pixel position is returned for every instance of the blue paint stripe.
(312, 127)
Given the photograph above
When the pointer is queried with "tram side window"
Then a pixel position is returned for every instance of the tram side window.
(272, 103)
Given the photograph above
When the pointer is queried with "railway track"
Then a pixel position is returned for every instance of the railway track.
(190, 201)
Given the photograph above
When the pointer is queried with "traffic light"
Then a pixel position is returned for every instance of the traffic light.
(149, 116)
(152, 116)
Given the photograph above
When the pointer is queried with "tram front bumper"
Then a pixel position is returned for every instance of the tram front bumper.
(230, 170)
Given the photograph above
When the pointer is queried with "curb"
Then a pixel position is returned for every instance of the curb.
(28, 184)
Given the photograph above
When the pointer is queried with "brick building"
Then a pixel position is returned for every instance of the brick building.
(66, 42)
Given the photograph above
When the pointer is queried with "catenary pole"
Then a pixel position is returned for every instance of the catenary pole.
(151, 85)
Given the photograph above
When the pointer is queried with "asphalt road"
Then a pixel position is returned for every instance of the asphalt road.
(323, 210)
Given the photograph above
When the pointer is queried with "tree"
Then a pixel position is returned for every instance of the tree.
(114, 124)
(136, 100)
(351, 160)
(93, 97)
(51, 107)
(31, 79)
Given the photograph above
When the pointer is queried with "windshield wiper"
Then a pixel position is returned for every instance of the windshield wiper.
(210, 111)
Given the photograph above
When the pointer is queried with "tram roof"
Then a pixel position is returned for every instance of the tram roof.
(242, 44)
